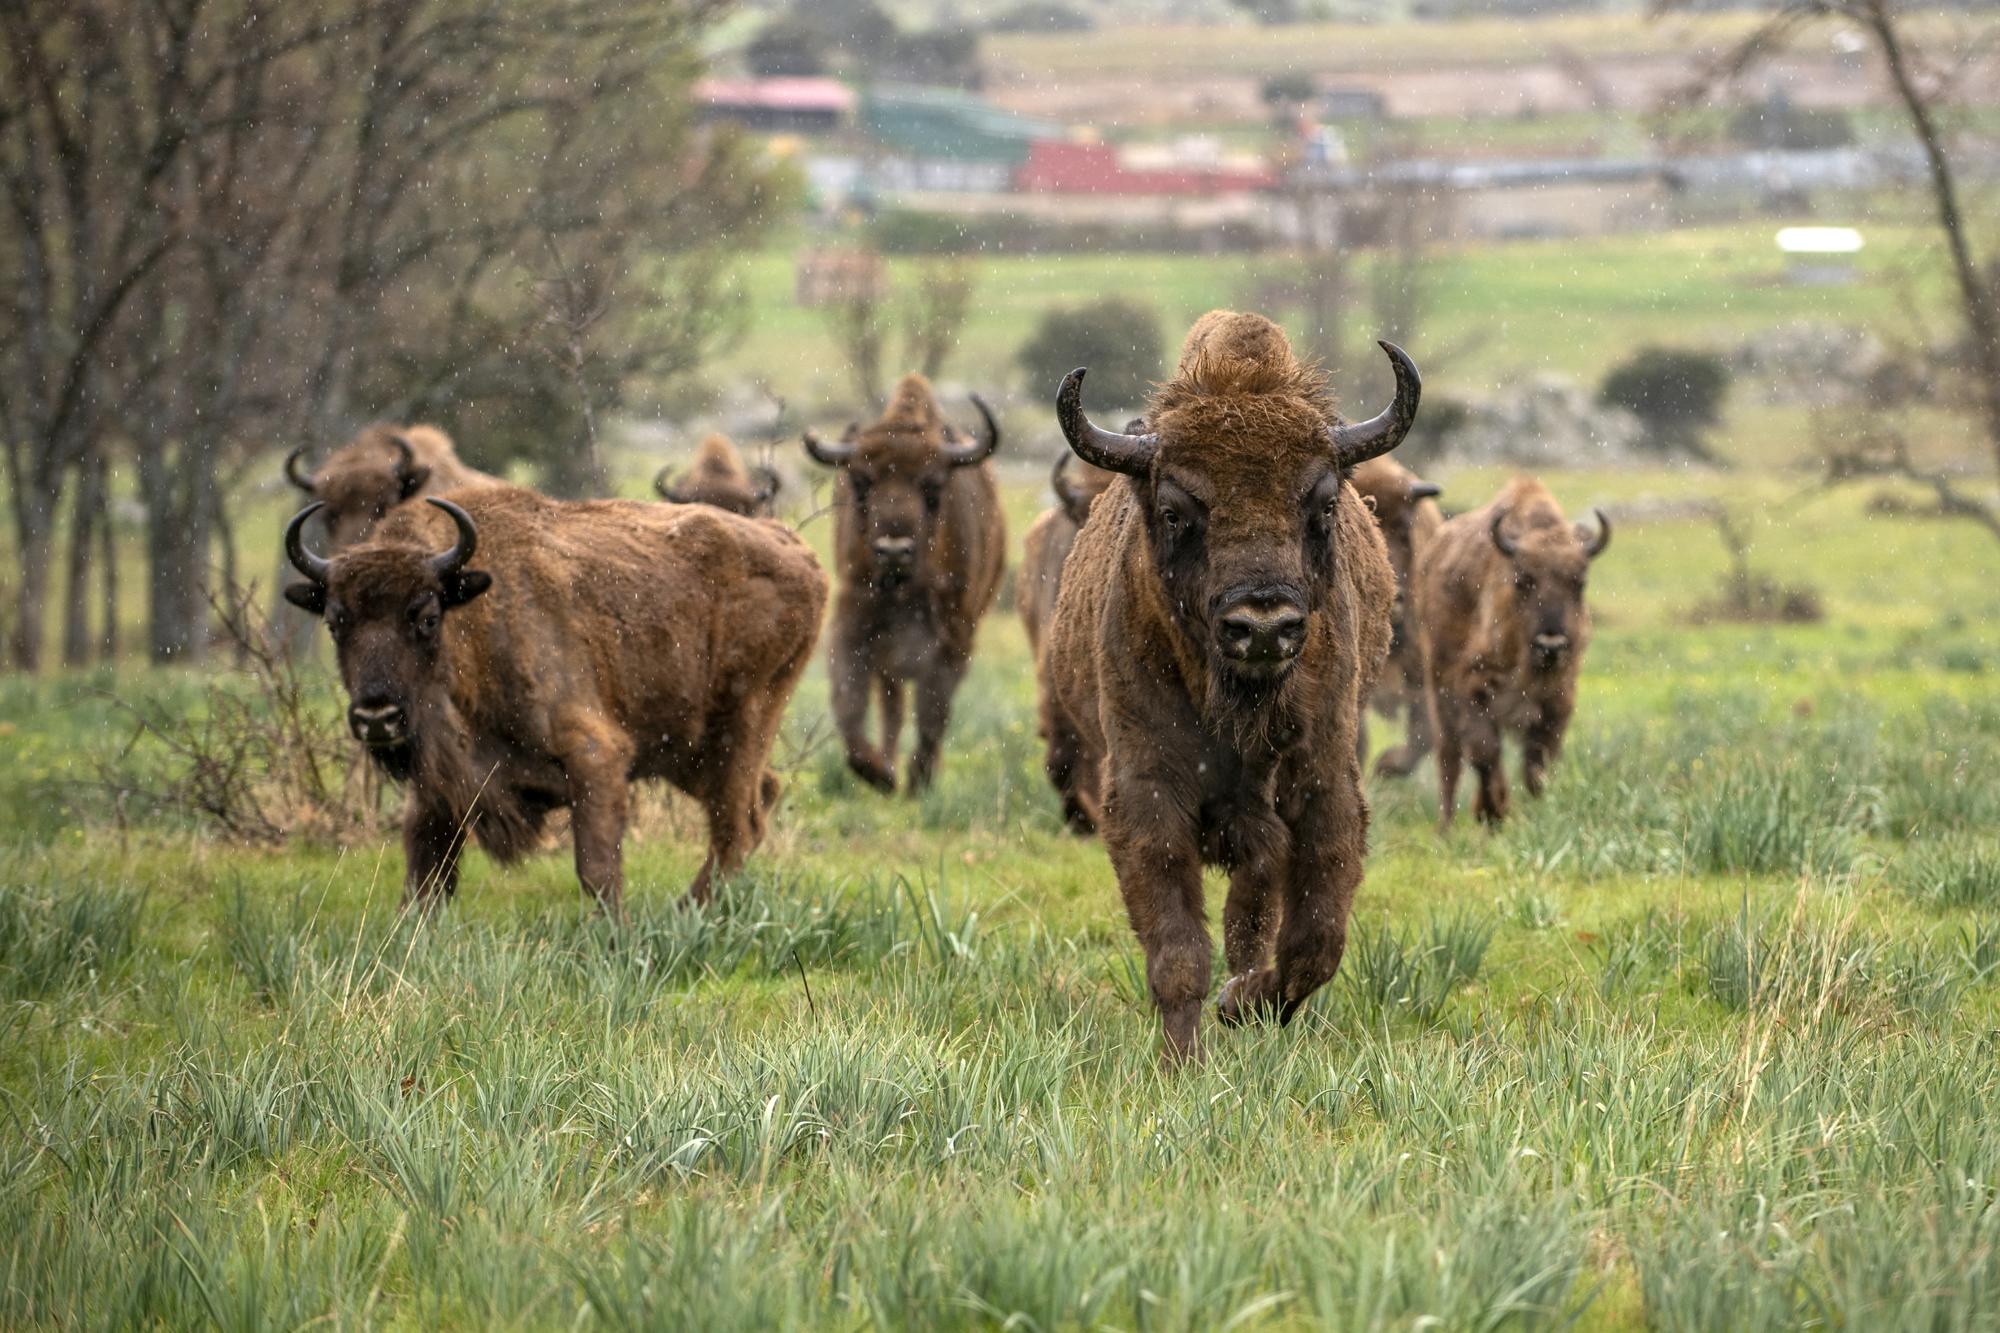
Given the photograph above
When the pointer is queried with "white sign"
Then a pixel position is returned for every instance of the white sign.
(1819, 240)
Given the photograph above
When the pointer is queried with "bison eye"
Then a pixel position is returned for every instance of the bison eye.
(933, 496)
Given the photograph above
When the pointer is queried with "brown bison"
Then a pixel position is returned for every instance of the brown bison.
(379, 469)
(1406, 511)
(920, 544)
(600, 641)
(1503, 626)
(1043, 552)
(1222, 618)
(717, 477)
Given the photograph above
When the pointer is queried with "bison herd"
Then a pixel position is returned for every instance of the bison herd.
(1224, 589)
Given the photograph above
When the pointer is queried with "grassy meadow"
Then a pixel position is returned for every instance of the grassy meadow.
(1703, 1039)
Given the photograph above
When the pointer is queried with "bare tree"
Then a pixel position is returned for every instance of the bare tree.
(930, 315)
(1883, 452)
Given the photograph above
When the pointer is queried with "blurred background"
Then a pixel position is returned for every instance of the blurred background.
(1703, 262)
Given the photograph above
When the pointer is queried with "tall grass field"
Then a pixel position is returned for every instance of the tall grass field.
(1704, 1039)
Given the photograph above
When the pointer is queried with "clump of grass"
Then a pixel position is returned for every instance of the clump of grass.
(55, 937)
(1773, 819)
(1392, 971)
(1803, 967)
(1950, 872)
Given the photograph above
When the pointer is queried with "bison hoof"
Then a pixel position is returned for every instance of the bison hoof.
(873, 772)
(1078, 819)
(1396, 763)
(1246, 998)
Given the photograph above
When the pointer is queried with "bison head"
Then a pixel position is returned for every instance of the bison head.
(1395, 494)
(362, 483)
(1550, 563)
(717, 477)
(895, 472)
(1238, 481)
(384, 603)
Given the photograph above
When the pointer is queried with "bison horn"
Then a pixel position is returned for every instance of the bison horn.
(663, 488)
(449, 562)
(976, 451)
(831, 455)
(1130, 454)
(1500, 538)
(406, 457)
(1072, 499)
(1593, 546)
(304, 481)
(1425, 490)
(768, 483)
(312, 566)
(1379, 434)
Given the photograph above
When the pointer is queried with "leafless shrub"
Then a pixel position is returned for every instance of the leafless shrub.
(263, 759)
(1751, 597)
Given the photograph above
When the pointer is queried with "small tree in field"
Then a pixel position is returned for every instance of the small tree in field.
(1677, 394)
(1118, 338)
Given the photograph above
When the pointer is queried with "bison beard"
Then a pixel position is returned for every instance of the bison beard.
(437, 761)
(1221, 617)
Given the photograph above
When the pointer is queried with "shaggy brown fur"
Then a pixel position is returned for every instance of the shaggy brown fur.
(620, 640)
(920, 544)
(372, 474)
(1503, 639)
(717, 477)
(1186, 755)
(1043, 552)
(1409, 520)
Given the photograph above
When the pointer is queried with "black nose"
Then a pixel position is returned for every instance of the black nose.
(378, 723)
(1262, 634)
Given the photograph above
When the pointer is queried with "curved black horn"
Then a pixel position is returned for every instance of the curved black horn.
(312, 566)
(663, 488)
(449, 562)
(1130, 454)
(1073, 501)
(1381, 433)
(1594, 545)
(976, 451)
(305, 482)
(830, 455)
(1425, 490)
(1500, 538)
(769, 483)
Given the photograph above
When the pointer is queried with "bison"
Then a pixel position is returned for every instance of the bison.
(717, 477)
(379, 469)
(919, 542)
(595, 643)
(1503, 626)
(1406, 511)
(1043, 552)
(1222, 617)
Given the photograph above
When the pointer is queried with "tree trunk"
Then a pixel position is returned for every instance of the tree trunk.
(35, 544)
(107, 565)
(180, 511)
(87, 511)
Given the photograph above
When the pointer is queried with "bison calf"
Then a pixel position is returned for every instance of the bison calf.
(598, 642)
(920, 543)
(1501, 616)
(382, 467)
(1406, 511)
(1222, 617)
(717, 477)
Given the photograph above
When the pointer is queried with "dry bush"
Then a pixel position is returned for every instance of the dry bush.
(263, 758)
(1750, 597)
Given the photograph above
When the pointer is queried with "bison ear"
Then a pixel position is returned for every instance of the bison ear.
(412, 481)
(308, 597)
(1425, 490)
(464, 585)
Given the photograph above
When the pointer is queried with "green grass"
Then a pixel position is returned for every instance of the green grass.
(1704, 1039)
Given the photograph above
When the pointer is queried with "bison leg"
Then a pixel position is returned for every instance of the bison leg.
(1157, 859)
(1064, 762)
(1450, 763)
(889, 695)
(735, 796)
(1249, 922)
(935, 689)
(847, 680)
(597, 764)
(1540, 747)
(1402, 760)
(432, 841)
(1483, 749)
(1330, 841)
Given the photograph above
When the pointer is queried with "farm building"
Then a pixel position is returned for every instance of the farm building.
(778, 106)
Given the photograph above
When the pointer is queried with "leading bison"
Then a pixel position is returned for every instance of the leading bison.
(599, 642)
(1499, 604)
(382, 467)
(1222, 617)
(920, 544)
